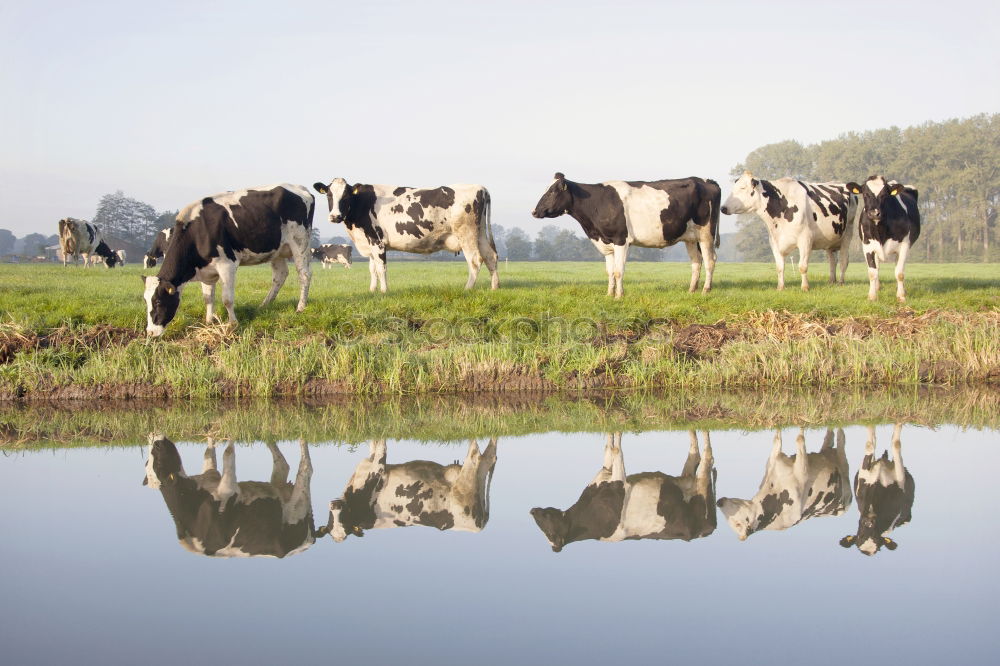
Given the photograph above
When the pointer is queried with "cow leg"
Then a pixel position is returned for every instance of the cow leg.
(379, 259)
(845, 257)
(900, 266)
(703, 475)
(800, 468)
(208, 295)
(775, 449)
(779, 264)
(210, 463)
(873, 285)
(898, 471)
(831, 256)
(693, 456)
(227, 276)
(279, 272)
(708, 254)
(621, 253)
(490, 257)
(613, 468)
(373, 282)
(279, 466)
(694, 253)
(805, 247)
(609, 266)
(827, 440)
(300, 255)
(227, 485)
(474, 261)
(299, 503)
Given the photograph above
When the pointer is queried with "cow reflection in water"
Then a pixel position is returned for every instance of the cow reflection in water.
(795, 488)
(217, 516)
(448, 497)
(649, 505)
(884, 489)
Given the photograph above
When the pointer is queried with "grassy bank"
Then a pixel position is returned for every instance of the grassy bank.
(458, 417)
(77, 333)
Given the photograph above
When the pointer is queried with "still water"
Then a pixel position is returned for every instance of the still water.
(872, 543)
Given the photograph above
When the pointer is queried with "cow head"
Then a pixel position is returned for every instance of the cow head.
(162, 299)
(740, 514)
(554, 526)
(149, 261)
(341, 523)
(869, 544)
(875, 192)
(163, 464)
(113, 260)
(339, 197)
(745, 195)
(556, 200)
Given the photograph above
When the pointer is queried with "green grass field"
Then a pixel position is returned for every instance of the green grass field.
(549, 325)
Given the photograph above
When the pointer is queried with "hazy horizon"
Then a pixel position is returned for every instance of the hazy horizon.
(188, 99)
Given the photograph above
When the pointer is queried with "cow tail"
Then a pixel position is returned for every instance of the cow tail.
(487, 214)
(714, 215)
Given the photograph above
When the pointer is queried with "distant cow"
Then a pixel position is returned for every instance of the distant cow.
(795, 488)
(330, 254)
(618, 214)
(888, 229)
(379, 218)
(218, 516)
(799, 215)
(159, 247)
(447, 497)
(79, 238)
(650, 505)
(215, 236)
(885, 490)
(121, 256)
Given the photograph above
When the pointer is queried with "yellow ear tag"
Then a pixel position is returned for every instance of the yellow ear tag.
(356, 190)
(170, 291)
(855, 190)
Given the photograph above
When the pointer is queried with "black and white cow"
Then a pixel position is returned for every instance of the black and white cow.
(158, 248)
(330, 254)
(795, 488)
(78, 238)
(885, 490)
(121, 256)
(617, 214)
(799, 215)
(650, 505)
(218, 234)
(218, 516)
(419, 492)
(889, 227)
(379, 218)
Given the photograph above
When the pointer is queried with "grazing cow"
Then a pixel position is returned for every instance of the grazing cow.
(806, 216)
(650, 505)
(884, 489)
(330, 254)
(618, 214)
(218, 516)
(888, 229)
(415, 493)
(795, 488)
(159, 247)
(215, 236)
(78, 238)
(379, 218)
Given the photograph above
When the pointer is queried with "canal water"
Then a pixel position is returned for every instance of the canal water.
(874, 543)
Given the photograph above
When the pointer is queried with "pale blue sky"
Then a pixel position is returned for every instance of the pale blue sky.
(173, 101)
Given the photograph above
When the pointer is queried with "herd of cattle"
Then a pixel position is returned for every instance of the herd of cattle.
(212, 237)
(218, 516)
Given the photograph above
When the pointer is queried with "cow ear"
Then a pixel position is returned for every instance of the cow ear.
(847, 541)
(854, 188)
(896, 189)
(889, 543)
(321, 188)
(754, 183)
(559, 176)
(357, 188)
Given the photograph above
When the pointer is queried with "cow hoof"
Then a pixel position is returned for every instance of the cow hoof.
(300, 308)
(901, 299)
(805, 287)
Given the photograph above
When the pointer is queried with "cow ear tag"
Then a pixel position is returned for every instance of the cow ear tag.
(170, 290)
(895, 190)
(855, 190)
(357, 188)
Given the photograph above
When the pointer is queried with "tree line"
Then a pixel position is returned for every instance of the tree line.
(955, 166)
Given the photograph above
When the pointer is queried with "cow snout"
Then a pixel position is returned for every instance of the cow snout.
(154, 331)
(535, 213)
(334, 218)
(725, 210)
